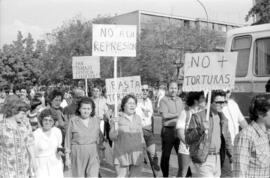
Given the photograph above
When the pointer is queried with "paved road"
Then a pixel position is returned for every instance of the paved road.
(107, 170)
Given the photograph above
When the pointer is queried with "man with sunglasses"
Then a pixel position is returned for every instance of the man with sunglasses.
(209, 140)
(145, 110)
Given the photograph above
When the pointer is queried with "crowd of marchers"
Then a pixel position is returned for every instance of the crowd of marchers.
(49, 133)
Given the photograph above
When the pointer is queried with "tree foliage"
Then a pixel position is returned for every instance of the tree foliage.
(160, 46)
(261, 10)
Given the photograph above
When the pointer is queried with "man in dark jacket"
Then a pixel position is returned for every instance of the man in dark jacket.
(209, 140)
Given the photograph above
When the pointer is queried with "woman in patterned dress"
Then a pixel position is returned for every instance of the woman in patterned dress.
(16, 141)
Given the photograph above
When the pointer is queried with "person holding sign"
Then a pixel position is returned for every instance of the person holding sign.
(251, 146)
(81, 140)
(127, 135)
(209, 140)
(170, 108)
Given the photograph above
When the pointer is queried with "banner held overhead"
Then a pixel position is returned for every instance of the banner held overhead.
(209, 71)
(85, 67)
(114, 40)
(125, 85)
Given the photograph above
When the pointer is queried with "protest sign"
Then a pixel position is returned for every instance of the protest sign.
(125, 85)
(85, 67)
(209, 71)
(114, 40)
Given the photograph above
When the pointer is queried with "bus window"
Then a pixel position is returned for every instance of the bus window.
(262, 57)
(242, 46)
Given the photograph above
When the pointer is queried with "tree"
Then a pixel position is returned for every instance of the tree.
(261, 10)
(162, 44)
(73, 38)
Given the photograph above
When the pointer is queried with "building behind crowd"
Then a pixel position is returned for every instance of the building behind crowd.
(141, 18)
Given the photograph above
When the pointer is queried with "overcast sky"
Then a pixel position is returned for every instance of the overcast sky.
(42, 16)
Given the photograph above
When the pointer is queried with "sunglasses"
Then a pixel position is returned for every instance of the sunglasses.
(144, 89)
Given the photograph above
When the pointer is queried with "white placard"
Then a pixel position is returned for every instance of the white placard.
(125, 85)
(114, 40)
(85, 67)
(209, 71)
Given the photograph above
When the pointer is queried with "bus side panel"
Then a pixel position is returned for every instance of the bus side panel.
(243, 99)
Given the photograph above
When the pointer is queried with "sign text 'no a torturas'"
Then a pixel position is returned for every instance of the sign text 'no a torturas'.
(209, 71)
(114, 40)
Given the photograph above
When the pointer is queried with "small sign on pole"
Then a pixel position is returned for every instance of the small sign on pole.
(85, 67)
(124, 86)
(209, 71)
(115, 41)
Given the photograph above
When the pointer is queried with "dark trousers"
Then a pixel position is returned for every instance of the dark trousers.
(184, 165)
(169, 140)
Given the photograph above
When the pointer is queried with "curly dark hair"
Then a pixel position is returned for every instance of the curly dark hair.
(125, 100)
(54, 94)
(45, 113)
(13, 105)
(216, 93)
(192, 97)
(259, 105)
(85, 100)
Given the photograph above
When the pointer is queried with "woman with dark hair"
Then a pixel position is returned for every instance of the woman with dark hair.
(33, 114)
(251, 156)
(195, 102)
(127, 135)
(48, 140)
(16, 140)
(81, 139)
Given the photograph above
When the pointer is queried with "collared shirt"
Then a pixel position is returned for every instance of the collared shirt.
(101, 107)
(146, 118)
(216, 134)
(234, 116)
(170, 109)
(251, 153)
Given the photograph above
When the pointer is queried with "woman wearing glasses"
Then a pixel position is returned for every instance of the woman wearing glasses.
(48, 152)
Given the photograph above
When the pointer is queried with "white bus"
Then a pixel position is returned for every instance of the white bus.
(253, 64)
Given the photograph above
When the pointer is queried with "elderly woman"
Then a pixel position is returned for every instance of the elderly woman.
(16, 140)
(81, 140)
(127, 135)
(251, 156)
(48, 141)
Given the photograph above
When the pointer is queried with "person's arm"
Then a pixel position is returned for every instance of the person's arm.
(241, 155)
(180, 126)
(114, 129)
(30, 146)
(68, 143)
(194, 131)
(241, 119)
(227, 136)
(165, 112)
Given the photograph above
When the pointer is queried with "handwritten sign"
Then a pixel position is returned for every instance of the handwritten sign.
(209, 71)
(84, 67)
(114, 40)
(125, 85)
